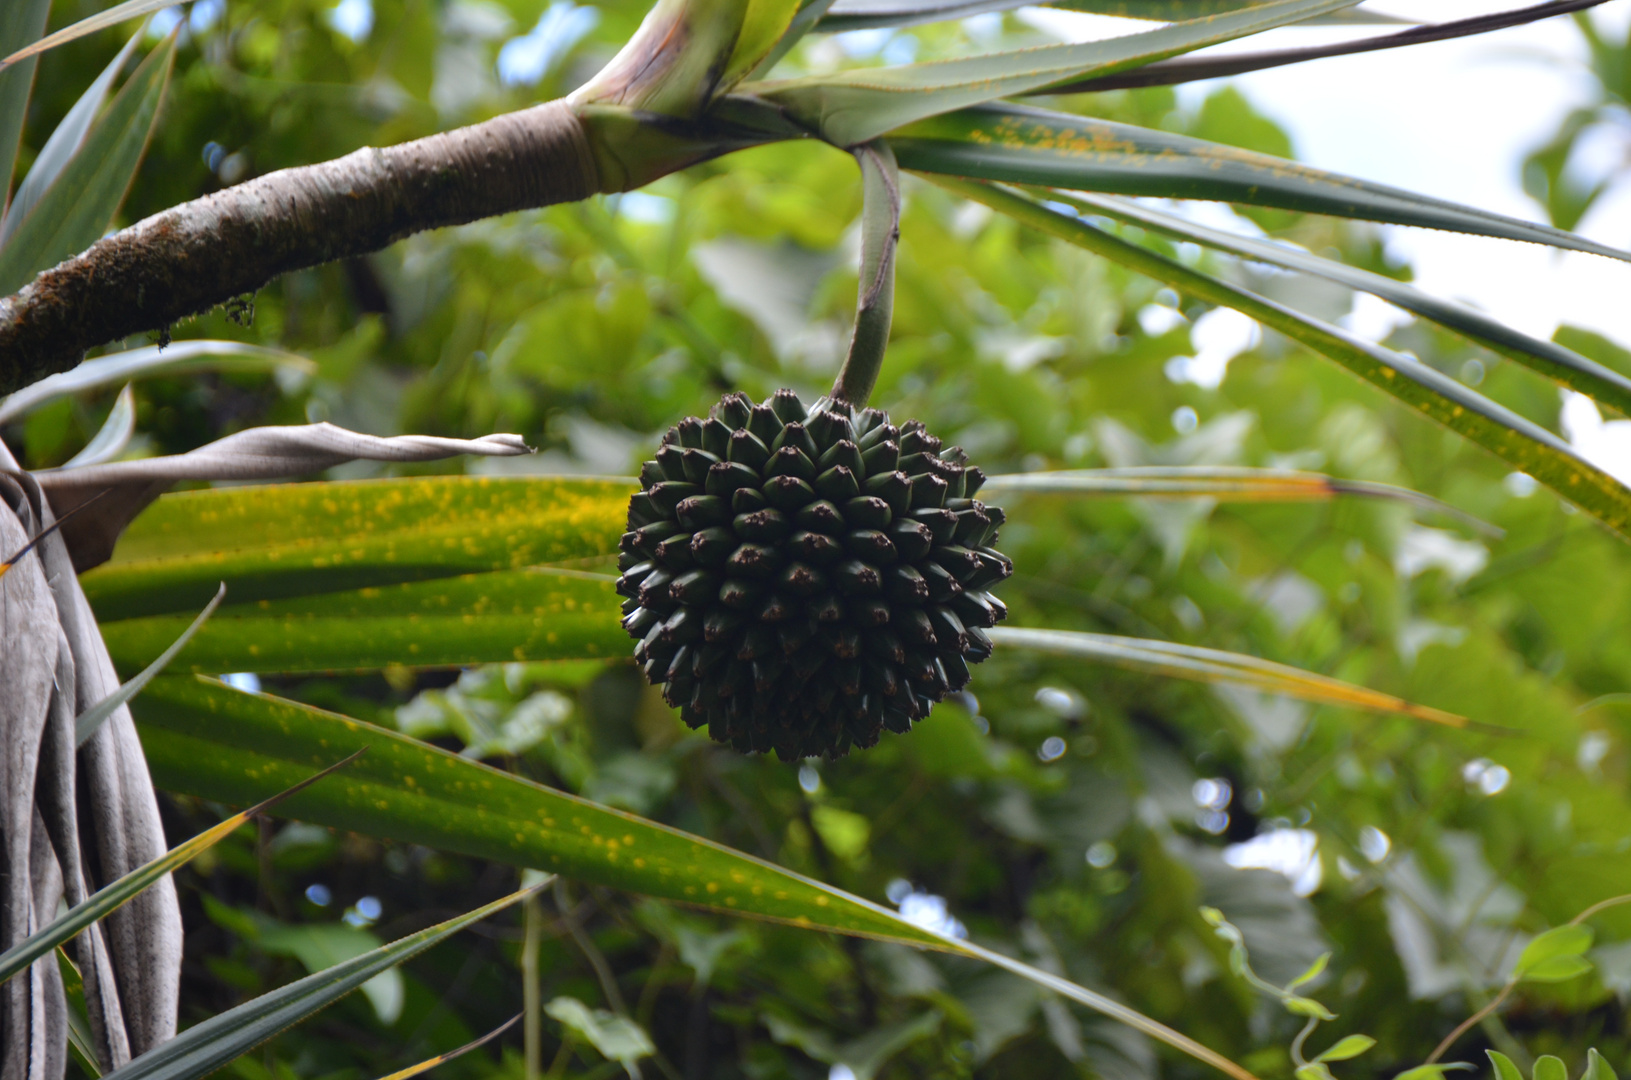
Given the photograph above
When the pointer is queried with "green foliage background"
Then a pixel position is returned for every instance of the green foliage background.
(590, 328)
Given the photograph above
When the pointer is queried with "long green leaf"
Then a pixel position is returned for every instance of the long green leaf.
(113, 16)
(1216, 665)
(113, 896)
(1564, 366)
(1520, 443)
(177, 358)
(86, 723)
(75, 211)
(854, 107)
(872, 14)
(470, 619)
(64, 143)
(205, 1047)
(205, 739)
(1225, 483)
(1022, 145)
(296, 539)
(21, 24)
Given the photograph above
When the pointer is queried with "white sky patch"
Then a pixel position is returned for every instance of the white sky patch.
(924, 909)
(1422, 549)
(1293, 853)
(526, 59)
(353, 18)
(1606, 444)
(1218, 336)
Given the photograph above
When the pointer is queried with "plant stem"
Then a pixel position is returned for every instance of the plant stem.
(874, 309)
(1462, 1028)
(532, 1006)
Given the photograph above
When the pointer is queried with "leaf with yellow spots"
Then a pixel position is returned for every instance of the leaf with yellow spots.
(205, 739)
(538, 614)
(295, 539)
(1521, 443)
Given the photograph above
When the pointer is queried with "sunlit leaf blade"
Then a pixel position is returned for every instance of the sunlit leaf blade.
(442, 1059)
(75, 211)
(206, 1046)
(1564, 366)
(857, 106)
(1215, 665)
(113, 16)
(470, 619)
(871, 14)
(296, 539)
(21, 24)
(806, 19)
(110, 898)
(1023, 145)
(86, 723)
(1524, 445)
(177, 358)
(1225, 483)
(204, 738)
(113, 436)
(64, 143)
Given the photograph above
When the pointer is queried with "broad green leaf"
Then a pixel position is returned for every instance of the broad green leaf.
(206, 1046)
(1215, 665)
(177, 358)
(1597, 1068)
(1350, 1047)
(1314, 1070)
(1557, 969)
(110, 898)
(1225, 483)
(439, 1059)
(113, 436)
(75, 211)
(204, 738)
(1522, 444)
(21, 24)
(471, 619)
(86, 723)
(617, 1038)
(857, 106)
(1570, 940)
(64, 143)
(1562, 365)
(1548, 1067)
(113, 16)
(295, 539)
(1022, 145)
(1504, 1068)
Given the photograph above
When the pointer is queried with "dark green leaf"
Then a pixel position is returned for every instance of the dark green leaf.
(75, 211)
(1022, 145)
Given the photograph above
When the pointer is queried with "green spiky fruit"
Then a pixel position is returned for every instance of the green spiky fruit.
(801, 579)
